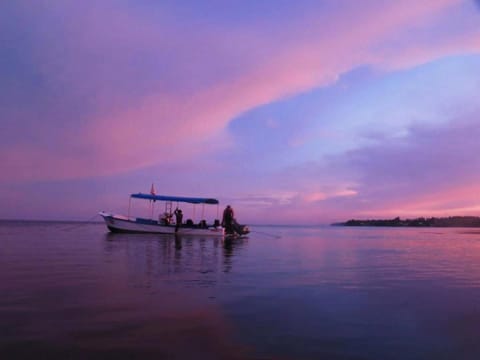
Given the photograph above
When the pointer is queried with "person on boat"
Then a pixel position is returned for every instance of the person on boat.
(166, 219)
(232, 227)
(228, 219)
(178, 218)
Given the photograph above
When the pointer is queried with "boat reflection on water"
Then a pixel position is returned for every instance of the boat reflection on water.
(230, 247)
(177, 282)
(162, 256)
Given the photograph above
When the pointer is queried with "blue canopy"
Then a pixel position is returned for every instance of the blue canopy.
(190, 200)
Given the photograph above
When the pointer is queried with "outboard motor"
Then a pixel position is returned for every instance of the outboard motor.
(240, 229)
(244, 230)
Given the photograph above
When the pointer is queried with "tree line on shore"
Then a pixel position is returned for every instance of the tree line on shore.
(452, 221)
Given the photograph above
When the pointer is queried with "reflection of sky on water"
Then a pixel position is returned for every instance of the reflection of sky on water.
(382, 293)
(293, 293)
(82, 296)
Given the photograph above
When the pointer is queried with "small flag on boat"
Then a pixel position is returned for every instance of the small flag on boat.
(152, 190)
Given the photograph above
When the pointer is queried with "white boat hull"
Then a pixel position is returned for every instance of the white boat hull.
(122, 224)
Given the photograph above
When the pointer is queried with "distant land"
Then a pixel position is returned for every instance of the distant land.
(453, 221)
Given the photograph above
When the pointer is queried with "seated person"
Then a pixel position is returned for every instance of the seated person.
(166, 219)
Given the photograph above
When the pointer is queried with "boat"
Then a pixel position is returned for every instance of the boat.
(167, 222)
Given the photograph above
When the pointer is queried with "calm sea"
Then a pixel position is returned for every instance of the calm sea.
(74, 291)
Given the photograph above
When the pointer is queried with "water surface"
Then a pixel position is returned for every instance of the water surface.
(73, 290)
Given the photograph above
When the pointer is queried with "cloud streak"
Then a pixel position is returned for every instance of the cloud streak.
(150, 85)
(432, 171)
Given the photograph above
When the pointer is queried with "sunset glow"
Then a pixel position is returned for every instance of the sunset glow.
(293, 112)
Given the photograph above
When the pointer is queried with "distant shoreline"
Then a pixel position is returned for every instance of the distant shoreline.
(453, 221)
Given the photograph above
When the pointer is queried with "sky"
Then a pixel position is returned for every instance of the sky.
(293, 112)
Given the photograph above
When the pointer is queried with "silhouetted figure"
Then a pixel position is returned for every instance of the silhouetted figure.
(178, 218)
(232, 227)
(227, 219)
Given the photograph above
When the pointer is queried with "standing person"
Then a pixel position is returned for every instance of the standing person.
(178, 218)
(228, 219)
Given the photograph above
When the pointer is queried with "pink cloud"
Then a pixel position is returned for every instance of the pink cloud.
(430, 172)
(100, 52)
(458, 200)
